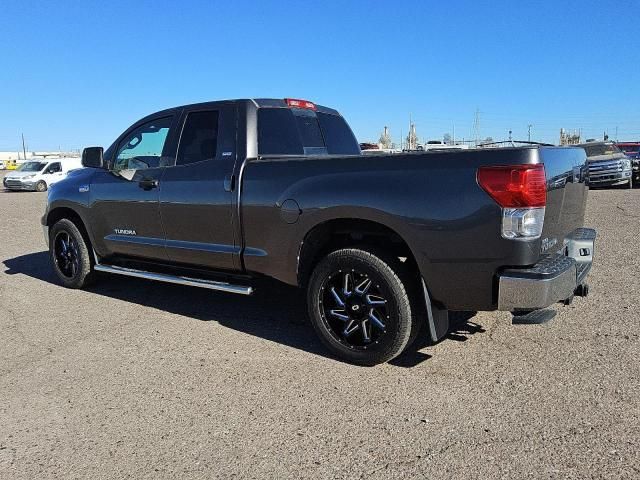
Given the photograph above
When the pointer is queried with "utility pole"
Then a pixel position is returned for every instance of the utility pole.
(453, 137)
(24, 150)
(529, 128)
(476, 125)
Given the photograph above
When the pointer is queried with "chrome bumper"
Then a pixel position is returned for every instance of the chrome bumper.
(554, 279)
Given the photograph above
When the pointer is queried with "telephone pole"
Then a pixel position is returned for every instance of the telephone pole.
(476, 126)
(529, 129)
(24, 150)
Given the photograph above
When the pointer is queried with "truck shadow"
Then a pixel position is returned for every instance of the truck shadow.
(276, 312)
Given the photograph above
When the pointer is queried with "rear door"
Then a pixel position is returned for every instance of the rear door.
(196, 192)
(125, 214)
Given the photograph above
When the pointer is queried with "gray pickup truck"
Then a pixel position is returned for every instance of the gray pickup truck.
(607, 165)
(219, 194)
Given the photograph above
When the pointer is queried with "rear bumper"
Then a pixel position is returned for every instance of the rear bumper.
(554, 278)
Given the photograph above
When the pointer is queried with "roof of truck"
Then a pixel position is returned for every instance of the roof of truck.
(258, 102)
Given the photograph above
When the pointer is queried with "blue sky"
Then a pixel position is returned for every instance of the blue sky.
(78, 73)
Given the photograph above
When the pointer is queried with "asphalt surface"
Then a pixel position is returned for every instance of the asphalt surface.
(135, 379)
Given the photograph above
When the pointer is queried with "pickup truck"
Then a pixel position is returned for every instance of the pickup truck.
(220, 194)
(608, 165)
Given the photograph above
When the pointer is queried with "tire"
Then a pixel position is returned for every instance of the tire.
(387, 299)
(72, 264)
(41, 186)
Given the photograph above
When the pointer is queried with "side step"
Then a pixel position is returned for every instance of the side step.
(162, 277)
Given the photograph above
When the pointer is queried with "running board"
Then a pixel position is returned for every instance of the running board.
(162, 277)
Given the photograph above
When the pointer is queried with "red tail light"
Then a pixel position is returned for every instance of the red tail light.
(296, 103)
(515, 186)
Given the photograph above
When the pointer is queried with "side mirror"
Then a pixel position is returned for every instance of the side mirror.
(93, 157)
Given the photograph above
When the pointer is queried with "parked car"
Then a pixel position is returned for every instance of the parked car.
(607, 165)
(220, 194)
(40, 174)
(632, 150)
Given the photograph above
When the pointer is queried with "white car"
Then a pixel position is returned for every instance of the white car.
(39, 174)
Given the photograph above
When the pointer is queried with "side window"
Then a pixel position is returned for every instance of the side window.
(199, 139)
(54, 168)
(142, 148)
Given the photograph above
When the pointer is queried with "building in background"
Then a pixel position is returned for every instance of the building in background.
(567, 138)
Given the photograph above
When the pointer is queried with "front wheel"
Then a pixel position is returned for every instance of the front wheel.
(70, 254)
(359, 306)
(41, 186)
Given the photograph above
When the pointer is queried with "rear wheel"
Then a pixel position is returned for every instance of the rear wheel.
(70, 254)
(41, 186)
(360, 307)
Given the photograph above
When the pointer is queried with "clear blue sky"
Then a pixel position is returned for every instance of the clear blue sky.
(75, 74)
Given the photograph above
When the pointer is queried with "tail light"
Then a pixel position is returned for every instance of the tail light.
(521, 191)
(296, 103)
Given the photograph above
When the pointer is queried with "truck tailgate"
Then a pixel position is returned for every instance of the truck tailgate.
(566, 171)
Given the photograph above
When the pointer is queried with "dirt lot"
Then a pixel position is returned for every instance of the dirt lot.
(138, 379)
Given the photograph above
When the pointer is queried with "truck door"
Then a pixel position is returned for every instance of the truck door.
(196, 193)
(124, 199)
(53, 173)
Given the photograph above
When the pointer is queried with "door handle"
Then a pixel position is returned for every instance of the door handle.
(148, 183)
(229, 183)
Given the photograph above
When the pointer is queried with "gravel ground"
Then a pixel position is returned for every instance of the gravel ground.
(135, 379)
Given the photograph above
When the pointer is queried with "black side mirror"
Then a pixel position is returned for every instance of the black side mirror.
(93, 157)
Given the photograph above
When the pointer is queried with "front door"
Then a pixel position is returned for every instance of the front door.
(196, 193)
(125, 209)
(53, 173)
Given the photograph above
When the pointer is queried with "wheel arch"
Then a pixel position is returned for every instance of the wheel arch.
(59, 213)
(338, 233)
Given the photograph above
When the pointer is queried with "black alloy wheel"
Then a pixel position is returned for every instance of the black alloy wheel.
(66, 254)
(70, 254)
(360, 307)
(354, 308)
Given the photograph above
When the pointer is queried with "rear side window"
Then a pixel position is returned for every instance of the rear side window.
(337, 135)
(278, 133)
(199, 139)
(294, 131)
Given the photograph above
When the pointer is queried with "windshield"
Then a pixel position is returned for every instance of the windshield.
(31, 166)
(601, 149)
(630, 148)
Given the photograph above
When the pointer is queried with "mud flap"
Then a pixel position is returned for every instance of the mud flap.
(437, 318)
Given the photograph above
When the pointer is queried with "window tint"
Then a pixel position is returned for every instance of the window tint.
(309, 130)
(142, 148)
(294, 131)
(55, 167)
(199, 139)
(278, 133)
(337, 135)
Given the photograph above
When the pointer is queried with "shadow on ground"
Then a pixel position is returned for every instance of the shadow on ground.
(276, 312)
